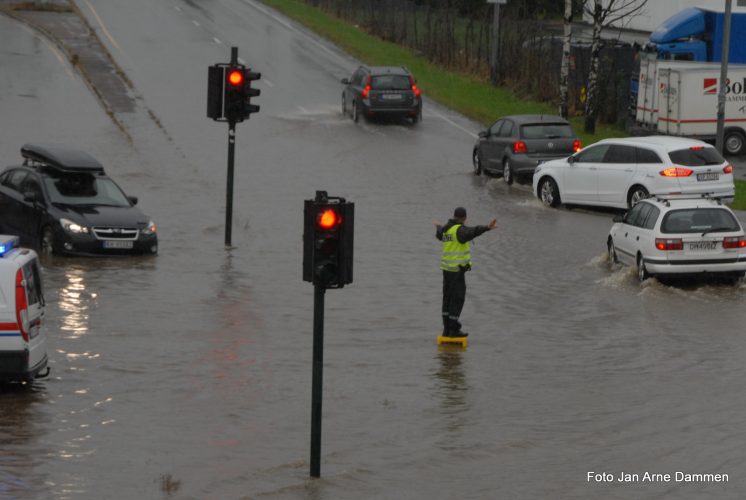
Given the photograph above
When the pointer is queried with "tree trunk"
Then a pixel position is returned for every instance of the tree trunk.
(565, 68)
(592, 86)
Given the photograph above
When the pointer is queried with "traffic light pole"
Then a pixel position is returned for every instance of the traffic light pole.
(318, 372)
(229, 186)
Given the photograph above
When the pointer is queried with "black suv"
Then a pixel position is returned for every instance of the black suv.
(382, 91)
(61, 201)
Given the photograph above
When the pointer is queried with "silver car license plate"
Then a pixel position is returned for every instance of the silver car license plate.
(708, 176)
(117, 244)
(392, 97)
(703, 245)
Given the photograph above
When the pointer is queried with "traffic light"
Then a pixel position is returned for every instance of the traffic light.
(328, 241)
(235, 93)
(215, 86)
(249, 92)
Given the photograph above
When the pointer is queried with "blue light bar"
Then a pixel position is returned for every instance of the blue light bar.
(7, 243)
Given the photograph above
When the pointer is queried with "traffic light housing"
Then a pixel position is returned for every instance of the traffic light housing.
(249, 92)
(328, 241)
(235, 93)
(215, 89)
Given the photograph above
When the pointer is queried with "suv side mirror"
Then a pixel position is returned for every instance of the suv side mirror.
(133, 200)
(484, 133)
(345, 81)
(571, 159)
(31, 197)
(620, 218)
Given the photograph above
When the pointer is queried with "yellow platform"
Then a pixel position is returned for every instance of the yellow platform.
(462, 341)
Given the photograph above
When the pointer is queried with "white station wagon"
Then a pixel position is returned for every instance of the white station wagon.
(620, 172)
(685, 236)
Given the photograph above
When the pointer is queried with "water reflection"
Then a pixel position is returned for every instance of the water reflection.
(452, 387)
(74, 302)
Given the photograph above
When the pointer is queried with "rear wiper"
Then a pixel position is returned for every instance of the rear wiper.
(718, 229)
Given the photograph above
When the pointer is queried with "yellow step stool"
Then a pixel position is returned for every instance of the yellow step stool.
(462, 341)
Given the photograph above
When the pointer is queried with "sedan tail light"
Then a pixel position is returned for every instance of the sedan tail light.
(414, 86)
(676, 172)
(734, 242)
(669, 244)
(577, 146)
(366, 89)
(727, 169)
(520, 147)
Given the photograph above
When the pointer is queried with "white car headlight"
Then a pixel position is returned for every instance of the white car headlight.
(150, 228)
(73, 227)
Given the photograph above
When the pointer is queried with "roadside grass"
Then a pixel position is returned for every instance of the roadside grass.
(471, 96)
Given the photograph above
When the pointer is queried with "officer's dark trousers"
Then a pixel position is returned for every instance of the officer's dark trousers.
(454, 295)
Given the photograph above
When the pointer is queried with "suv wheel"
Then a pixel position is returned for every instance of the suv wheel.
(508, 175)
(344, 105)
(355, 112)
(636, 194)
(47, 241)
(476, 161)
(549, 192)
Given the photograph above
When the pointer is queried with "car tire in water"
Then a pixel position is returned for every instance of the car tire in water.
(344, 106)
(612, 252)
(47, 241)
(508, 174)
(549, 192)
(642, 271)
(636, 194)
(734, 142)
(476, 162)
(355, 112)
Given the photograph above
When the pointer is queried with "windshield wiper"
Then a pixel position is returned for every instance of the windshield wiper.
(718, 229)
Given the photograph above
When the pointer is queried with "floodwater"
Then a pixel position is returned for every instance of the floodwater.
(188, 375)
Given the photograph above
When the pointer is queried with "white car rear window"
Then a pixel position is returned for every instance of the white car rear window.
(699, 220)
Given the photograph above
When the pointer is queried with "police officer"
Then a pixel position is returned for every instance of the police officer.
(456, 261)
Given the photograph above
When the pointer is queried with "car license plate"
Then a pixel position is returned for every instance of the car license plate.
(117, 244)
(708, 176)
(703, 245)
(392, 97)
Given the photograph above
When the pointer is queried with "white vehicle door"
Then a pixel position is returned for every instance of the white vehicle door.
(580, 181)
(615, 173)
(627, 238)
(35, 312)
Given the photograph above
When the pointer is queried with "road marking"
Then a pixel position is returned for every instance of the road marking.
(178, 9)
(242, 61)
(448, 120)
(217, 40)
(269, 84)
(303, 110)
(195, 23)
(103, 28)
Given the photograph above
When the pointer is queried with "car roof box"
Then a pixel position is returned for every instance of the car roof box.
(61, 157)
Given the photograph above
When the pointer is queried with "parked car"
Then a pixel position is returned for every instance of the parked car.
(23, 341)
(621, 172)
(61, 201)
(685, 236)
(514, 145)
(382, 91)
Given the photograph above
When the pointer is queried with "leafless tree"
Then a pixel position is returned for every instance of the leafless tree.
(565, 68)
(605, 13)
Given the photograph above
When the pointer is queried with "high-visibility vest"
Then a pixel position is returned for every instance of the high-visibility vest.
(455, 254)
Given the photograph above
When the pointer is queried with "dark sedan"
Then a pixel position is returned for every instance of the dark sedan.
(61, 201)
(514, 145)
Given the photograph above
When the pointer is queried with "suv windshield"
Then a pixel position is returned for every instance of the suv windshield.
(699, 220)
(696, 157)
(83, 189)
(390, 82)
(546, 131)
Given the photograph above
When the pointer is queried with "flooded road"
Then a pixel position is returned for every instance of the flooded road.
(188, 375)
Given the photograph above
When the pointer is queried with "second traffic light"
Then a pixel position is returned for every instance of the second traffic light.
(328, 241)
(238, 93)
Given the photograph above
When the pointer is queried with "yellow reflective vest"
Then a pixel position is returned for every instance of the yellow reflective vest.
(455, 254)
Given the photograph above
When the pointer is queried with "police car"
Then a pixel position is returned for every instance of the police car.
(23, 355)
(680, 235)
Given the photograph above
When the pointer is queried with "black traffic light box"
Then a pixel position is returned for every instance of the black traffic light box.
(328, 241)
(215, 89)
(235, 93)
(249, 92)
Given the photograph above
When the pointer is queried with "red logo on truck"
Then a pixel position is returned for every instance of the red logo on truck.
(711, 86)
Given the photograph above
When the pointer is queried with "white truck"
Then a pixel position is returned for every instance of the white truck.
(681, 98)
(23, 355)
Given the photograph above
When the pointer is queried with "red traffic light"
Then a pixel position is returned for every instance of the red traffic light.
(235, 77)
(328, 219)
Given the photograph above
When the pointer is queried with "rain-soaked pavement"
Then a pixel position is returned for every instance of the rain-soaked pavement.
(187, 375)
